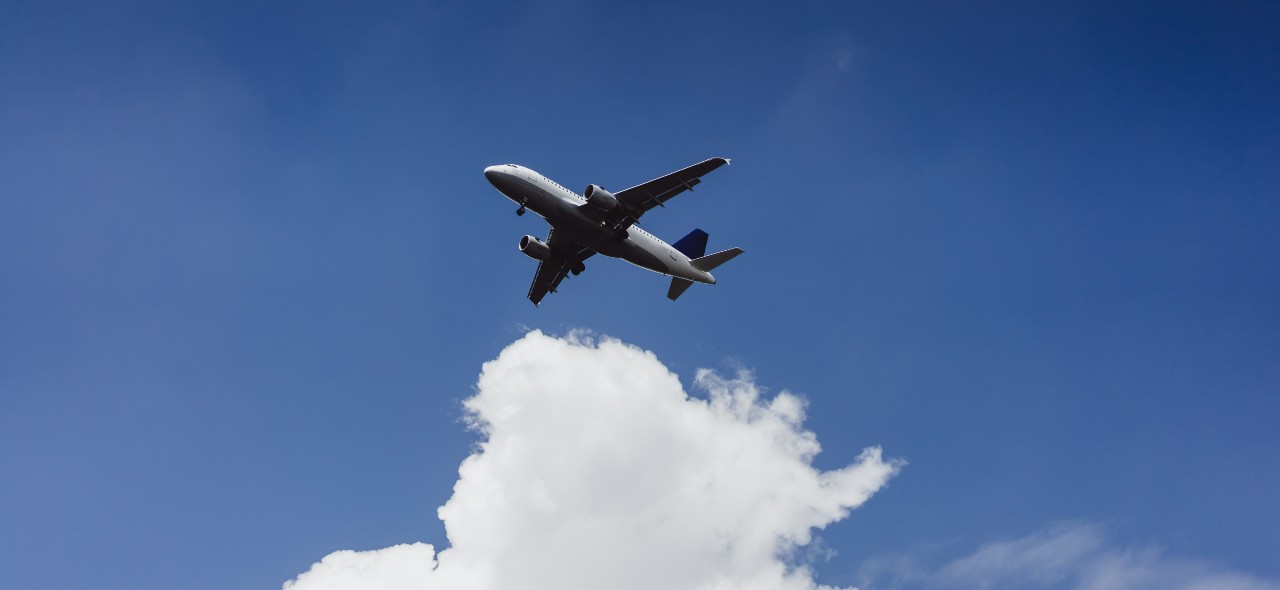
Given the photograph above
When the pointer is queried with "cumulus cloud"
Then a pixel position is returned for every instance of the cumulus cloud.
(400, 566)
(597, 470)
(1069, 556)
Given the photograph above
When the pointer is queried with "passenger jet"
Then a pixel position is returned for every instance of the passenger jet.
(600, 221)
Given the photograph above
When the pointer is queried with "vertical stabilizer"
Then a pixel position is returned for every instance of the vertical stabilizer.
(693, 245)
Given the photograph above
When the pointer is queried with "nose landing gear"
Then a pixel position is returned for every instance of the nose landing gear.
(520, 211)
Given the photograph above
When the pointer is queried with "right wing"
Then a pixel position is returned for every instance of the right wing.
(566, 256)
(636, 200)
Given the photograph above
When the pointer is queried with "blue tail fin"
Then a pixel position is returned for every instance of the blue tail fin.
(693, 245)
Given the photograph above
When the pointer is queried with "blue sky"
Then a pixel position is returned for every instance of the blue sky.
(251, 266)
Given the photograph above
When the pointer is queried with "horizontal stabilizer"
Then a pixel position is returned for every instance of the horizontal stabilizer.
(678, 286)
(706, 263)
(693, 245)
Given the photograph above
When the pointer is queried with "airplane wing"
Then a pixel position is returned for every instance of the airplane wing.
(636, 200)
(566, 257)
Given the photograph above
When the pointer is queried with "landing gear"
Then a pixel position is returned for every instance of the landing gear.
(578, 268)
(520, 211)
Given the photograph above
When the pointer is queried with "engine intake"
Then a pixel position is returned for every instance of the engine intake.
(535, 248)
(599, 198)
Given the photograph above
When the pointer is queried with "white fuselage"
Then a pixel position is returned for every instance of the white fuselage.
(571, 217)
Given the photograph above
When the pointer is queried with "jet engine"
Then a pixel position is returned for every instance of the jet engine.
(535, 248)
(599, 198)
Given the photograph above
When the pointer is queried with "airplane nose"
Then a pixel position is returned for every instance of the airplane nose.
(493, 173)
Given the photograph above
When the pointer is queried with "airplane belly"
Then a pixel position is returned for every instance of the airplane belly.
(546, 205)
(590, 234)
(645, 259)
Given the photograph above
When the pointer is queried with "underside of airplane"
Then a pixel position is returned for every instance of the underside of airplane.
(598, 221)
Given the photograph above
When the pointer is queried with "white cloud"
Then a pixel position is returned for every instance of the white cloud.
(1041, 559)
(400, 566)
(597, 470)
(1070, 556)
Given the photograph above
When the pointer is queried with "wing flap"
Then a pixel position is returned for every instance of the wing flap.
(635, 201)
(566, 257)
(548, 276)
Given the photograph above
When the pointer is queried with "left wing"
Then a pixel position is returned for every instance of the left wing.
(635, 201)
(566, 257)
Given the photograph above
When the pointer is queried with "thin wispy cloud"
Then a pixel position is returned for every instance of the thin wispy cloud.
(1073, 556)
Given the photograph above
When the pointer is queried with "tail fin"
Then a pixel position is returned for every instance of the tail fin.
(693, 245)
(678, 286)
(710, 261)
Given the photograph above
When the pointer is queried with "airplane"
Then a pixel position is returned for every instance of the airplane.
(604, 222)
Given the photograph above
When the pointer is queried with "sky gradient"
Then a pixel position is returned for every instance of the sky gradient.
(250, 267)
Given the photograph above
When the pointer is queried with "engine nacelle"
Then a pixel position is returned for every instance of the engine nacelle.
(599, 198)
(535, 248)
